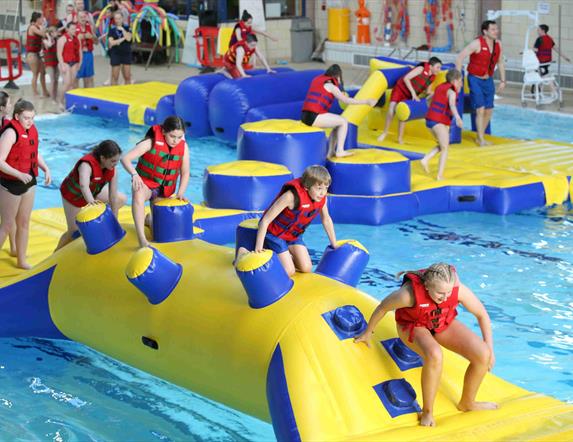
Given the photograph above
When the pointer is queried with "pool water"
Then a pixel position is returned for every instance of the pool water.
(520, 266)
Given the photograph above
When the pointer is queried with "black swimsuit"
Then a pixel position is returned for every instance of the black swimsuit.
(17, 187)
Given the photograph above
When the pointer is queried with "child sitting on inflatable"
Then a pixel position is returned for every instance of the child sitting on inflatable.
(439, 118)
(92, 180)
(410, 87)
(319, 98)
(425, 318)
(284, 222)
(238, 56)
(163, 156)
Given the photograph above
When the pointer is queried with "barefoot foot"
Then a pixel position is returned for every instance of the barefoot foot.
(13, 253)
(475, 406)
(23, 265)
(424, 164)
(426, 419)
(381, 137)
(342, 154)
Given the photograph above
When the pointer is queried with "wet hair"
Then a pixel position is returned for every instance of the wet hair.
(544, 28)
(486, 24)
(251, 37)
(434, 60)
(315, 175)
(173, 123)
(246, 16)
(22, 106)
(439, 271)
(106, 149)
(35, 16)
(4, 97)
(71, 24)
(334, 71)
(453, 74)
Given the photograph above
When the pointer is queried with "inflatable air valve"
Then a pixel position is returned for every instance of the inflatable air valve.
(172, 220)
(263, 277)
(155, 275)
(99, 228)
(345, 263)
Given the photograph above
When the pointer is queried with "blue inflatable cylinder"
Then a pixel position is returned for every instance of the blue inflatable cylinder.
(394, 74)
(165, 108)
(287, 142)
(172, 220)
(154, 274)
(246, 234)
(99, 228)
(345, 263)
(409, 110)
(263, 277)
(351, 141)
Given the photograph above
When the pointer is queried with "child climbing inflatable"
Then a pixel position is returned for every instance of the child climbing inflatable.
(238, 56)
(426, 321)
(319, 98)
(162, 157)
(439, 117)
(92, 180)
(410, 87)
(284, 222)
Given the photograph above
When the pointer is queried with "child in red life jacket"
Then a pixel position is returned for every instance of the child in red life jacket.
(284, 222)
(409, 87)
(162, 156)
(425, 307)
(50, 43)
(439, 117)
(92, 180)
(20, 162)
(238, 56)
(69, 58)
(544, 46)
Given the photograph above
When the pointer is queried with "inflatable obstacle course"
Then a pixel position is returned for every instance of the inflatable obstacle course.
(303, 373)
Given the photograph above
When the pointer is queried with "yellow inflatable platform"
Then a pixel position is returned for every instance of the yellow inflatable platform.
(285, 363)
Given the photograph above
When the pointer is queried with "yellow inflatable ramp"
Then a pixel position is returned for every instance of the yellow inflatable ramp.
(133, 103)
(292, 362)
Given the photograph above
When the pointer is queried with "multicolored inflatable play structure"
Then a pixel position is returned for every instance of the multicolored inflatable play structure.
(244, 333)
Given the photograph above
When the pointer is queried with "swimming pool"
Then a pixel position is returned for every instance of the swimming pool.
(519, 265)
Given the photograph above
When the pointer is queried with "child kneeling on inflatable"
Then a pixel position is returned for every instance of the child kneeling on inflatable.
(439, 118)
(284, 222)
(91, 181)
(162, 156)
(425, 308)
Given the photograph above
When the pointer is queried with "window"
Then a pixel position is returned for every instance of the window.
(284, 8)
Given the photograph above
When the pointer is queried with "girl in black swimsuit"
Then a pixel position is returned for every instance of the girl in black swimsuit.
(17, 194)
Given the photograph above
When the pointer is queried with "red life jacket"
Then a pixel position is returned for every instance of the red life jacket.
(483, 63)
(290, 224)
(70, 188)
(439, 110)
(420, 83)
(425, 312)
(71, 51)
(33, 42)
(231, 55)
(245, 30)
(87, 43)
(161, 165)
(318, 99)
(24, 153)
(4, 122)
(545, 49)
(51, 55)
